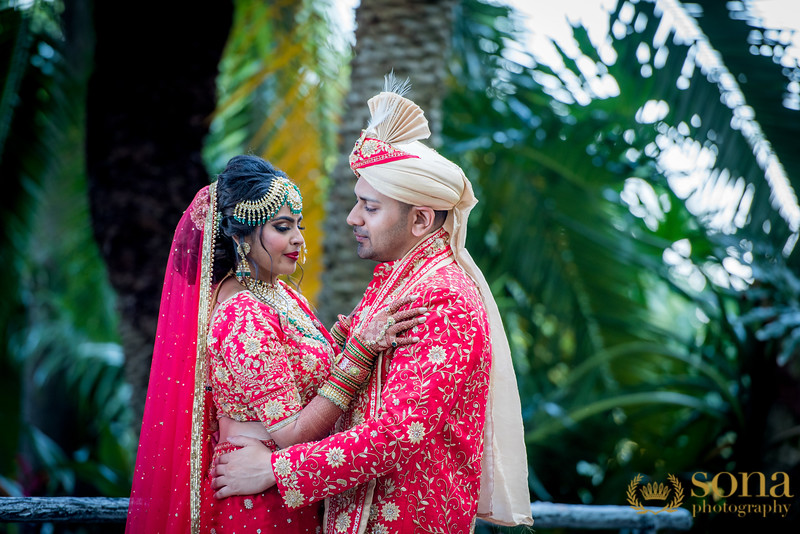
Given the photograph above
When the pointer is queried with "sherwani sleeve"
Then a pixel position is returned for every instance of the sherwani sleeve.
(422, 384)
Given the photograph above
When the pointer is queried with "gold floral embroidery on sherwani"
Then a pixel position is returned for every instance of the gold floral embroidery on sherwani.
(407, 455)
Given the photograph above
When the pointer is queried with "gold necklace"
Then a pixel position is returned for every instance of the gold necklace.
(276, 297)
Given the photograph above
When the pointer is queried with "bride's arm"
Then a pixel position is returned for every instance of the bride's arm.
(252, 429)
(313, 424)
(349, 372)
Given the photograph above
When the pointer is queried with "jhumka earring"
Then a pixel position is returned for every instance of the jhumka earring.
(303, 255)
(243, 269)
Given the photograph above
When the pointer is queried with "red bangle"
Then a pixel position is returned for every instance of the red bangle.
(358, 352)
(338, 334)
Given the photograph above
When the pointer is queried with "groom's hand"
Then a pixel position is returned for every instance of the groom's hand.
(245, 471)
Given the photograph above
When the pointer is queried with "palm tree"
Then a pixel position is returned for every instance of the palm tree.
(411, 39)
(280, 89)
(627, 362)
(148, 100)
(765, 73)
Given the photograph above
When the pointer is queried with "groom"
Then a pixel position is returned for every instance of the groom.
(435, 439)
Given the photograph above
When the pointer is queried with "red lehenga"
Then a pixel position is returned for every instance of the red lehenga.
(262, 369)
(242, 360)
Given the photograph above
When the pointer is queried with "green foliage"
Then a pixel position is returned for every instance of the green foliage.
(768, 75)
(637, 321)
(281, 85)
(68, 428)
(17, 50)
(619, 276)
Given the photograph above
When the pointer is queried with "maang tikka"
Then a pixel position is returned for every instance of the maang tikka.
(257, 212)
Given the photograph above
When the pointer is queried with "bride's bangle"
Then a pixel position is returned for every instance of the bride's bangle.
(349, 372)
(340, 330)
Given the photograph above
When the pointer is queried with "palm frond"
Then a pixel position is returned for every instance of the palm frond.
(614, 277)
(57, 305)
(280, 86)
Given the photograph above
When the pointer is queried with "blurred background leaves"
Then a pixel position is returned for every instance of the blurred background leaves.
(67, 419)
(637, 221)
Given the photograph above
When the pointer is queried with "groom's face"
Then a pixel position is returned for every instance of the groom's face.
(382, 225)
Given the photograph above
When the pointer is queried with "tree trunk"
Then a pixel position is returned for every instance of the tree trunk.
(411, 38)
(149, 98)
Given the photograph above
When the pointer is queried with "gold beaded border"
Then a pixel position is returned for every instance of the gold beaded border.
(201, 367)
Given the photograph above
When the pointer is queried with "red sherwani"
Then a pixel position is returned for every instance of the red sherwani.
(407, 457)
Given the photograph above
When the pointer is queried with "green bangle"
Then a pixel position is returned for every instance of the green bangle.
(338, 334)
(359, 353)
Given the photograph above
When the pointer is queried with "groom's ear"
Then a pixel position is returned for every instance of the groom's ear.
(422, 220)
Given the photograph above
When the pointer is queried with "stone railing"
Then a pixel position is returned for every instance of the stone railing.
(545, 514)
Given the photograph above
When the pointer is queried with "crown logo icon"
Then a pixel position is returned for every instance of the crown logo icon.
(653, 491)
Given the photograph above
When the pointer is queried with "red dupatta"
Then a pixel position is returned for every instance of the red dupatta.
(174, 442)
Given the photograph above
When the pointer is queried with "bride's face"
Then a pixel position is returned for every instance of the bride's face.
(275, 245)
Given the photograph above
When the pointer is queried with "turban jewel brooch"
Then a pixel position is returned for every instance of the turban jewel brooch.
(395, 120)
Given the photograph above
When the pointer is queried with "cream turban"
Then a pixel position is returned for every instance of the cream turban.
(390, 157)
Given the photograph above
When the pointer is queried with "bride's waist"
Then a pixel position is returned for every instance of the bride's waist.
(229, 427)
(252, 429)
